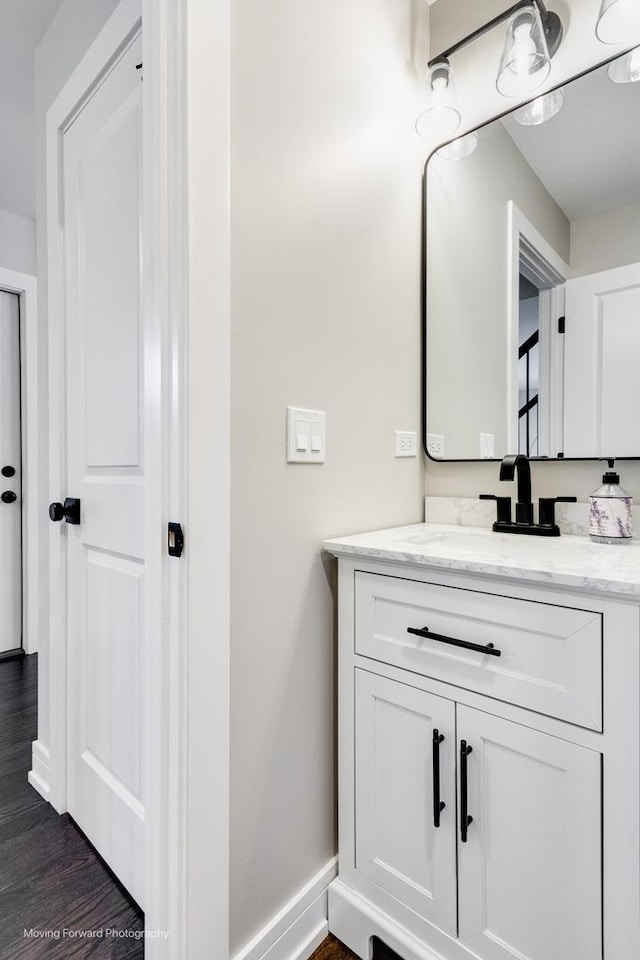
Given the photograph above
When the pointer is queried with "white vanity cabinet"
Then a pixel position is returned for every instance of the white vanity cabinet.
(537, 747)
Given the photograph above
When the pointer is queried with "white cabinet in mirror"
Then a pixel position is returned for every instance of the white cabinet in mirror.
(533, 280)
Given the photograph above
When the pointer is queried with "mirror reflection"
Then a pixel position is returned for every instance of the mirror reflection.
(533, 278)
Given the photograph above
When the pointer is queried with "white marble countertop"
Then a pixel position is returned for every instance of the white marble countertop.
(566, 561)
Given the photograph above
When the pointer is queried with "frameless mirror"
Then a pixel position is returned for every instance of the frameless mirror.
(533, 278)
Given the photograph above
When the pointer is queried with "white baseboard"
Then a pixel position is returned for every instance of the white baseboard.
(39, 773)
(301, 925)
(354, 921)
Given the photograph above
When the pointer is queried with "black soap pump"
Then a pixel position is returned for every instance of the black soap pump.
(610, 510)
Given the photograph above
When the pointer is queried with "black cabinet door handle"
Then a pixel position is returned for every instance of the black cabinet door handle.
(438, 804)
(425, 632)
(465, 819)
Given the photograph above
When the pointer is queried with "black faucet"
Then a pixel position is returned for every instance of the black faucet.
(517, 465)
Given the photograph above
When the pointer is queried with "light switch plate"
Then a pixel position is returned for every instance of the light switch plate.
(306, 435)
(405, 443)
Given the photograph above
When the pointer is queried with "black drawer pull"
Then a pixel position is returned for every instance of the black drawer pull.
(438, 804)
(425, 632)
(465, 819)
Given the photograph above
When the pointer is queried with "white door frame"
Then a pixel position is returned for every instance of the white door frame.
(186, 321)
(25, 286)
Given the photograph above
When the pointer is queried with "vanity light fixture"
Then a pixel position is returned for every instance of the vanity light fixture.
(618, 21)
(541, 109)
(532, 38)
(460, 148)
(626, 69)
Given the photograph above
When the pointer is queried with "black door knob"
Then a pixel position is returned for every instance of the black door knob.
(8, 471)
(69, 511)
(56, 512)
(9, 496)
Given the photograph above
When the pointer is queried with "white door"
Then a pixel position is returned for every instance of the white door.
(530, 869)
(10, 476)
(101, 156)
(602, 346)
(398, 845)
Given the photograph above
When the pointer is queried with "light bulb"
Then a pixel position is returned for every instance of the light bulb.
(523, 51)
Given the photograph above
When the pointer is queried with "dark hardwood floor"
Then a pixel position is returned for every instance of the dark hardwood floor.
(50, 877)
(332, 949)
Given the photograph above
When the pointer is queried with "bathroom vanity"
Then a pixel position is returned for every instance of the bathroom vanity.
(489, 746)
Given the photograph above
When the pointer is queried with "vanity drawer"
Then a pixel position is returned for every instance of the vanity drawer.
(550, 656)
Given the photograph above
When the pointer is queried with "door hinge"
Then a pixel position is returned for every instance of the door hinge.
(175, 539)
(561, 323)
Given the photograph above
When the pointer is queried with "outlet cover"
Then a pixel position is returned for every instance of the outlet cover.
(405, 443)
(435, 446)
(487, 446)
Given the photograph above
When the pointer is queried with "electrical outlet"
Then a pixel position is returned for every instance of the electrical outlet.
(435, 446)
(406, 443)
(487, 446)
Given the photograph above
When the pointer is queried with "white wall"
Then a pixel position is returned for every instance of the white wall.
(326, 226)
(608, 240)
(70, 34)
(475, 71)
(17, 243)
(17, 163)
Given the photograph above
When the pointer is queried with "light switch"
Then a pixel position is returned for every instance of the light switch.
(306, 435)
(302, 436)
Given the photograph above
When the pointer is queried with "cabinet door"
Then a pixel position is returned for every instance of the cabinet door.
(530, 870)
(398, 846)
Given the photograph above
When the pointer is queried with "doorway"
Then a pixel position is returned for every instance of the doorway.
(10, 478)
(535, 348)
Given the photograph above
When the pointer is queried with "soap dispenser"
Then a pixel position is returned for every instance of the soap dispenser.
(610, 510)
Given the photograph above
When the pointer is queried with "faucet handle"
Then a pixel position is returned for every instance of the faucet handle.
(547, 509)
(503, 506)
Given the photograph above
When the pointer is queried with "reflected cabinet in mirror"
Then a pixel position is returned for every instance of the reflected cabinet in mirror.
(533, 278)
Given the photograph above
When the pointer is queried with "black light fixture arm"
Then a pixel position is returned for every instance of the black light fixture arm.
(551, 24)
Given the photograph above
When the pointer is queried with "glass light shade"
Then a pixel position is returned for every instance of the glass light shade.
(457, 149)
(441, 118)
(619, 21)
(541, 109)
(525, 62)
(626, 69)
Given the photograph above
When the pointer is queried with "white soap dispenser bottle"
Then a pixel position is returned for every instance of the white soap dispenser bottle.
(610, 511)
